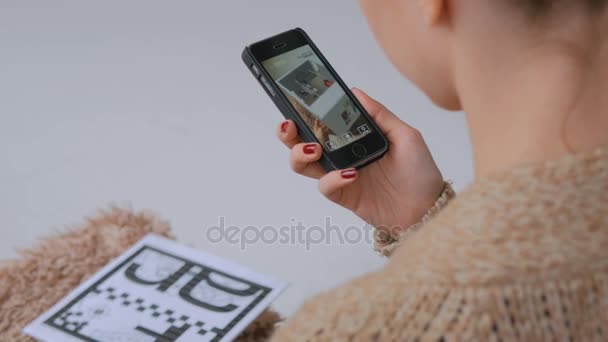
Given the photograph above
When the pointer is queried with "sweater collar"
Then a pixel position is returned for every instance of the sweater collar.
(537, 221)
(590, 167)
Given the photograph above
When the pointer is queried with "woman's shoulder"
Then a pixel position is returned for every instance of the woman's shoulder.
(538, 221)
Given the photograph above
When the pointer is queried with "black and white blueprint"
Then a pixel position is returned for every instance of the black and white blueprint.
(160, 291)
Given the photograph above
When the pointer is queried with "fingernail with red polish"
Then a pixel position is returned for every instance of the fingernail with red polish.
(349, 174)
(284, 126)
(310, 149)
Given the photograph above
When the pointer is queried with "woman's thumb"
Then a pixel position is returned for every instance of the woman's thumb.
(384, 118)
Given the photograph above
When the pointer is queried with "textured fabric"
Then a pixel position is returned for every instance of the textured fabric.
(521, 255)
(43, 275)
(386, 244)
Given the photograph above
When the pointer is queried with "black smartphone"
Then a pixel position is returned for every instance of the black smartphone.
(307, 90)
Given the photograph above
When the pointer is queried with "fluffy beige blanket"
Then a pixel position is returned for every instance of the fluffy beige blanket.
(43, 275)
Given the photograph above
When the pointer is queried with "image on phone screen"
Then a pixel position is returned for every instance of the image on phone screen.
(322, 103)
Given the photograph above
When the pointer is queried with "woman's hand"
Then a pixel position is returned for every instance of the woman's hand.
(392, 193)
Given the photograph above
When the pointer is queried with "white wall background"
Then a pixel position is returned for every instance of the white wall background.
(147, 103)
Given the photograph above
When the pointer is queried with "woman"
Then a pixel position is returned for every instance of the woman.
(522, 253)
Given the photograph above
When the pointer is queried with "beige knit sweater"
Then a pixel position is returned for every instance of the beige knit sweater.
(521, 255)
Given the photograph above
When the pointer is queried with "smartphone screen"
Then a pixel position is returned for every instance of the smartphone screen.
(322, 103)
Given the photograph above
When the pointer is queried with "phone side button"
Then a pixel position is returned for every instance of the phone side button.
(267, 85)
(359, 150)
(255, 70)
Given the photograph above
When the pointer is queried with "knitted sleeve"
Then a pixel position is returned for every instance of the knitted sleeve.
(388, 306)
(383, 307)
(386, 244)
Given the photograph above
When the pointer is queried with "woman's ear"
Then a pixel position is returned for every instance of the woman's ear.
(433, 10)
